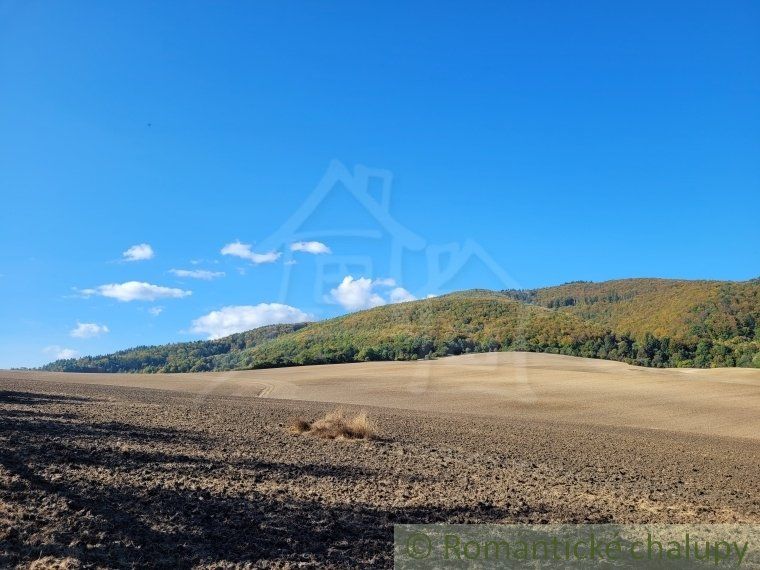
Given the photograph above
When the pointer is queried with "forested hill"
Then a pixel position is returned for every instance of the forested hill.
(679, 309)
(648, 322)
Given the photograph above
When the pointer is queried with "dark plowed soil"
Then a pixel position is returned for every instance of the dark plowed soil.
(96, 476)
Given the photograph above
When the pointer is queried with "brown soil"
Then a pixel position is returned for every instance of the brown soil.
(113, 476)
(723, 401)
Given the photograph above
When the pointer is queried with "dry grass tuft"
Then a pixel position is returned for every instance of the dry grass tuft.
(336, 425)
(299, 425)
(53, 563)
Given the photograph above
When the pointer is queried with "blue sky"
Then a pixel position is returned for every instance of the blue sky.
(525, 143)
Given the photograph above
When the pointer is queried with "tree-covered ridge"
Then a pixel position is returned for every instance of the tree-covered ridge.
(648, 322)
(683, 310)
(197, 356)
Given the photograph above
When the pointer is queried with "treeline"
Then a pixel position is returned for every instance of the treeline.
(650, 351)
(197, 356)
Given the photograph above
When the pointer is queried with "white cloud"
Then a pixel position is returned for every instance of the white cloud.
(88, 330)
(155, 311)
(139, 252)
(401, 295)
(356, 294)
(197, 273)
(244, 251)
(60, 352)
(233, 319)
(314, 247)
(136, 291)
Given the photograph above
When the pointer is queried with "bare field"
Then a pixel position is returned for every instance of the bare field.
(723, 401)
(199, 470)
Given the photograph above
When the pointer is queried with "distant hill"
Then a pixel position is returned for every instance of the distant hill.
(649, 322)
(195, 356)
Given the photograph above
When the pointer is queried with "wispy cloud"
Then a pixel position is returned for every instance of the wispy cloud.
(139, 252)
(88, 330)
(244, 251)
(59, 352)
(136, 291)
(197, 273)
(313, 247)
(363, 293)
(155, 311)
(239, 318)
